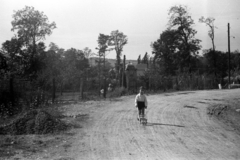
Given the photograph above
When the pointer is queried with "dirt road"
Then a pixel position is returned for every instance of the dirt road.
(178, 128)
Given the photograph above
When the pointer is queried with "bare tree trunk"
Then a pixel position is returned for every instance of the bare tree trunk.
(53, 90)
(118, 68)
(99, 83)
(12, 96)
(81, 88)
(61, 88)
(104, 76)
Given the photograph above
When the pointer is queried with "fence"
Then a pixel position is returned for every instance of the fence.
(158, 82)
(183, 82)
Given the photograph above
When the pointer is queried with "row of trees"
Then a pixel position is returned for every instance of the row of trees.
(175, 52)
(176, 56)
(25, 56)
(177, 49)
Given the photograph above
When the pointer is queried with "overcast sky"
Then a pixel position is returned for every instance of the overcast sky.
(79, 22)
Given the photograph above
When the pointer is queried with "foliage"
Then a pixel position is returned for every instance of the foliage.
(31, 25)
(36, 99)
(88, 52)
(14, 57)
(33, 122)
(145, 58)
(19, 62)
(139, 59)
(166, 51)
(235, 61)
(7, 107)
(188, 45)
(118, 40)
(103, 42)
(210, 23)
(221, 63)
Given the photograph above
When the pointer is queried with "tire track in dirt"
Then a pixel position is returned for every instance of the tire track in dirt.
(208, 142)
(171, 130)
(178, 128)
(157, 129)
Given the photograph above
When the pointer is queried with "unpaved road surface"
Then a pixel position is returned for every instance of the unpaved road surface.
(178, 128)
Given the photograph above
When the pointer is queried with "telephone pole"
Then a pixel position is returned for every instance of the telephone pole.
(123, 72)
(228, 55)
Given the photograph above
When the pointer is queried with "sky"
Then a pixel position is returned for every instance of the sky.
(79, 22)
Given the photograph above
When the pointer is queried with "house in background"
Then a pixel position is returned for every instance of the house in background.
(93, 62)
(141, 69)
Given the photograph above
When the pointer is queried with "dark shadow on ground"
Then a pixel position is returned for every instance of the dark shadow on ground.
(190, 107)
(215, 99)
(185, 92)
(202, 102)
(161, 124)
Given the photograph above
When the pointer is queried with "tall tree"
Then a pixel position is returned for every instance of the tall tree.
(210, 23)
(18, 59)
(53, 47)
(145, 58)
(139, 59)
(87, 52)
(3, 63)
(221, 63)
(181, 20)
(103, 41)
(118, 40)
(14, 56)
(31, 26)
(166, 51)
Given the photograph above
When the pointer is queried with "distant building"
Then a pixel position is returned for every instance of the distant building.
(93, 61)
(131, 76)
(141, 68)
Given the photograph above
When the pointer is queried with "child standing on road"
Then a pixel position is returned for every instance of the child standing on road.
(141, 102)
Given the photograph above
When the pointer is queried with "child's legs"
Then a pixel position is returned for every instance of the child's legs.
(140, 111)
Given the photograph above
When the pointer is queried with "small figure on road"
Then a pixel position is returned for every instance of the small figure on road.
(102, 92)
(141, 102)
(110, 88)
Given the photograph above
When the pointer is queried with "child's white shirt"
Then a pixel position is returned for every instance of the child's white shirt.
(141, 98)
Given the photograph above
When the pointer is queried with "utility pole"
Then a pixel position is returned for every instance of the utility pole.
(99, 72)
(104, 76)
(124, 59)
(228, 55)
(150, 71)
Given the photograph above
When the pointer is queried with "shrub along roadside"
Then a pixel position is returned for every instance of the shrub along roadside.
(37, 121)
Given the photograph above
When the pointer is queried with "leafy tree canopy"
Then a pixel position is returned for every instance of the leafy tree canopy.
(181, 20)
(31, 25)
(188, 45)
(118, 40)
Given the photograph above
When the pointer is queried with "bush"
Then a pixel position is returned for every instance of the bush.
(33, 122)
(36, 99)
(9, 106)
